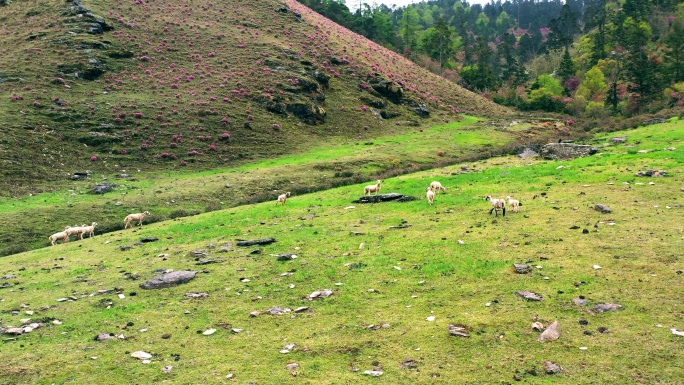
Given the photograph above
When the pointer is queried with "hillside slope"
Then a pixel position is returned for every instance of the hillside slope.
(167, 85)
(400, 274)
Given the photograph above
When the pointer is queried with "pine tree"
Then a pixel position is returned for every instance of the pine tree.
(567, 67)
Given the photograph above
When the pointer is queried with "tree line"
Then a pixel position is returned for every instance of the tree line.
(584, 57)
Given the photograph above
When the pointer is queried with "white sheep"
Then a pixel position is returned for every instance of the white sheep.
(135, 217)
(88, 230)
(54, 237)
(69, 230)
(514, 204)
(436, 186)
(282, 198)
(372, 188)
(430, 195)
(497, 204)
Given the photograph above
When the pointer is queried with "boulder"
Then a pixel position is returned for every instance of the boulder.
(170, 279)
(528, 295)
(551, 333)
(528, 153)
(521, 268)
(605, 209)
(103, 188)
(552, 368)
(385, 198)
(558, 151)
(618, 140)
(605, 307)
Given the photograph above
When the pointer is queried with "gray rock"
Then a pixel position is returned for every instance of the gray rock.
(103, 188)
(105, 336)
(459, 331)
(197, 295)
(652, 173)
(263, 241)
(171, 279)
(551, 333)
(580, 301)
(208, 261)
(9, 276)
(14, 331)
(530, 296)
(385, 198)
(558, 151)
(528, 153)
(149, 239)
(278, 310)
(619, 140)
(552, 368)
(521, 268)
(605, 209)
(605, 307)
(286, 257)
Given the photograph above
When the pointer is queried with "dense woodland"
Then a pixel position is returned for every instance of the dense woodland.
(591, 58)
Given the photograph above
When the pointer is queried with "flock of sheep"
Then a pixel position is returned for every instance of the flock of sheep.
(90, 230)
(432, 190)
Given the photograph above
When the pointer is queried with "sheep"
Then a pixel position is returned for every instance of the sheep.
(372, 188)
(282, 198)
(54, 237)
(135, 217)
(88, 230)
(430, 195)
(514, 204)
(496, 205)
(73, 230)
(436, 186)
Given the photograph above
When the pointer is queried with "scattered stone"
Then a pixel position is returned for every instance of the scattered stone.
(619, 140)
(199, 253)
(103, 188)
(603, 330)
(558, 151)
(552, 368)
(551, 333)
(301, 309)
(209, 332)
(5, 285)
(254, 313)
(656, 121)
(167, 369)
(385, 198)
(8, 277)
(528, 295)
(236, 330)
(209, 261)
(528, 153)
(105, 336)
(323, 293)
(170, 279)
(374, 373)
(603, 208)
(263, 241)
(278, 310)
(459, 331)
(521, 268)
(605, 307)
(652, 173)
(538, 326)
(124, 247)
(141, 355)
(196, 295)
(409, 364)
(14, 331)
(677, 332)
(149, 239)
(166, 336)
(286, 257)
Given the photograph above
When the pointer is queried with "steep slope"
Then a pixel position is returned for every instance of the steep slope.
(164, 85)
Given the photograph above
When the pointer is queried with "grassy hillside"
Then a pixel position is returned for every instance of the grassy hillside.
(164, 86)
(397, 279)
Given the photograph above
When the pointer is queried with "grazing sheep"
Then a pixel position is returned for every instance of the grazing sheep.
(88, 230)
(497, 204)
(436, 186)
(135, 217)
(282, 198)
(430, 195)
(54, 237)
(372, 188)
(514, 204)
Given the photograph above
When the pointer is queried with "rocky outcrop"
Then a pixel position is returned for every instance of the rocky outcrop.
(558, 151)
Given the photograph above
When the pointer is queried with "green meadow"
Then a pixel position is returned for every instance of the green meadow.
(390, 266)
